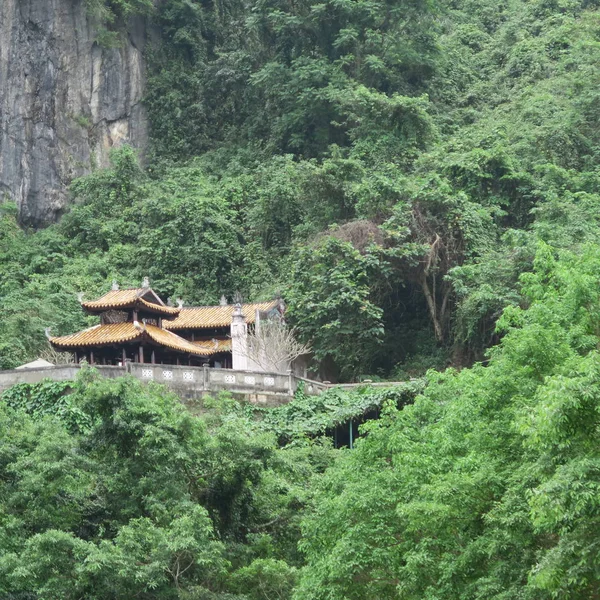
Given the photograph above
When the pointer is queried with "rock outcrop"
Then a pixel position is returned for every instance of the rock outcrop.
(64, 101)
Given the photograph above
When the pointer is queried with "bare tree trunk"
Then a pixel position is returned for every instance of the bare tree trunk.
(431, 305)
(436, 252)
(447, 292)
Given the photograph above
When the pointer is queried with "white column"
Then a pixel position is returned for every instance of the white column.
(260, 362)
(239, 339)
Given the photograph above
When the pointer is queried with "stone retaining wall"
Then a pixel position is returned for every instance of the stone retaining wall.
(188, 382)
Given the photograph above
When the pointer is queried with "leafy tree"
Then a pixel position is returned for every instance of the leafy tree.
(281, 73)
(189, 245)
(111, 529)
(485, 487)
(127, 492)
(330, 303)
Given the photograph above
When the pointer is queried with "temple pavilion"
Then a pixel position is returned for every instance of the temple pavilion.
(137, 326)
(222, 330)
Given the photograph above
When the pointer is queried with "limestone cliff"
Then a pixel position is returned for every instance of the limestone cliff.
(64, 101)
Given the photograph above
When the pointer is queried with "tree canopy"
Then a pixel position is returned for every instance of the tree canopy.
(485, 487)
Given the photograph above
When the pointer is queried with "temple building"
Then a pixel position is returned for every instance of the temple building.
(137, 326)
(223, 329)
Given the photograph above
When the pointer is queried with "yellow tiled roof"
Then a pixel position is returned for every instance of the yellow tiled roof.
(204, 317)
(99, 335)
(172, 340)
(167, 310)
(214, 346)
(128, 299)
(102, 335)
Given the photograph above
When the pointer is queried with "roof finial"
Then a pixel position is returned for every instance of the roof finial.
(223, 301)
(237, 298)
(115, 285)
(47, 332)
(179, 302)
(80, 296)
(169, 301)
(146, 282)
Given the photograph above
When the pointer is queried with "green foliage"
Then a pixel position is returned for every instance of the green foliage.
(485, 487)
(264, 579)
(316, 415)
(330, 303)
(421, 183)
(47, 398)
(143, 496)
(294, 78)
(39, 281)
(439, 142)
(109, 10)
(189, 244)
(108, 13)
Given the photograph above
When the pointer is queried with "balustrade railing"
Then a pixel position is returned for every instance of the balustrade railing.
(189, 381)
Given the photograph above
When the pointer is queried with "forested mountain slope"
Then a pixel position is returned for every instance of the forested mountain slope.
(420, 180)
(387, 166)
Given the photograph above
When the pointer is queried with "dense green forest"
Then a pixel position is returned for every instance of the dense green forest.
(420, 180)
(388, 166)
(485, 487)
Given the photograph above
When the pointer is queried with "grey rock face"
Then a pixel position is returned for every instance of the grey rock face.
(64, 101)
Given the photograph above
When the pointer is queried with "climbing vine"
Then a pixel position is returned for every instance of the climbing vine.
(48, 398)
(315, 415)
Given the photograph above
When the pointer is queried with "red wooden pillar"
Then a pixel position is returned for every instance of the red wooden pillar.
(91, 357)
(142, 354)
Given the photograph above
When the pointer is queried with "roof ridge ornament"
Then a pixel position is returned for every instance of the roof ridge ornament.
(223, 301)
(180, 303)
(80, 296)
(115, 286)
(238, 298)
(146, 282)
